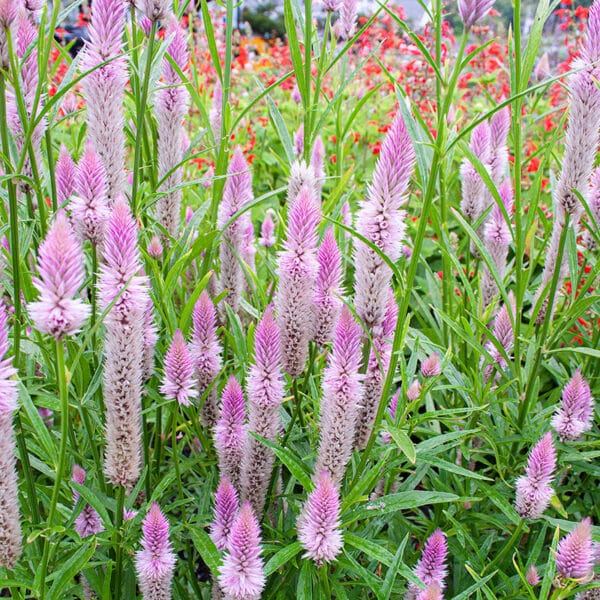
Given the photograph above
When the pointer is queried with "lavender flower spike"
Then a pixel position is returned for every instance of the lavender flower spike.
(206, 354)
(267, 231)
(60, 265)
(319, 522)
(227, 507)
(346, 24)
(230, 432)
(339, 405)
(236, 194)
(327, 288)
(123, 346)
(9, 10)
(88, 521)
(10, 525)
(533, 489)
(574, 416)
(155, 10)
(431, 568)
(156, 561)
(575, 555)
(474, 190)
(297, 272)
(64, 174)
(317, 163)
(504, 334)
(471, 11)
(178, 383)
(266, 390)
(90, 206)
(241, 575)
(590, 51)
(381, 221)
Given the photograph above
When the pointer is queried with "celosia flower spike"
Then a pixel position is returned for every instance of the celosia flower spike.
(471, 11)
(346, 24)
(319, 522)
(574, 416)
(267, 230)
(590, 51)
(64, 174)
(533, 489)
(431, 568)
(431, 366)
(574, 555)
(241, 575)
(178, 383)
(88, 521)
(156, 561)
(227, 507)
(60, 266)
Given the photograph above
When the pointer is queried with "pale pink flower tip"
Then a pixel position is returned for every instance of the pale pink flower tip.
(88, 521)
(178, 383)
(155, 563)
(64, 174)
(155, 248)
(533, 577)
(431, 568)
(267, 230)
(8, 386)
(227, 506)
(414, 390)
(431, 366)
(60, 265)
(533, 489)
(574, 416)
(574, 555)
(319, 523)
(471, 11)
(241, 575)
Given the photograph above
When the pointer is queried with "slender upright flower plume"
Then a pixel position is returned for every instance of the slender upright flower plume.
(241, 575)
(297, 271)
(474, 190)
(339, 405)
(328, 288)
(299, 141)
(431, 568)
(533, 489)
(215, 114)
(104, 89)
(227, 506)
(345, 26)
(590, 52)
(10, 524)
(171, 106)
(575, 554)
(156, 561)
(88, 521)
(471, 11)
(150, 339)
(61, 273)
(593, 200)
(155, 10)
(300, 174)
(206, 355)
(123, 346)
(8, 15)
(236, 194)
(90, 206)
(64, 174)
(533, 577)
(178, 383)
(319, 522)
(265, 390)
(504, 334)
(430, 367)
(574, 416)
(267, 231)
(230, 432)
(381, 221)
(317, 163)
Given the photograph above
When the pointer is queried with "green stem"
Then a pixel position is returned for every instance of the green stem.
(117, 542)
(308, 109)
(507, 548)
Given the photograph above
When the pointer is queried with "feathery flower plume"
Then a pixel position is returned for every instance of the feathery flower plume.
(431, 568)
(206, 354)
(504, 334)
(10, 524)
(413, 391)
(34, 8)
(150, 339)
(123, 346)
(215, 115)
(474, 190)
(8, 15)
(317, 163)
(171, 106)
(471, 11)
(237, 193)
(499, 128)
(533, 489)
(248, 246)
(377, 367)
(156, 561)
(532, 577)
(64, 173)
(386, 438)
(297, 272)
(574, 555)
(90, 206)
(230, 432)
(267, 231)
(381, 221)
(241, 575)
(590, 51)
(431, 592)
(574, 416)
(542, 68)
(319, 522)
(328, 288)
(300, 174)
(155, 247)
(299, 141)
(155, 10)
(345, 26)
(227, 507)
(60, 265)
(339, 404)
(593, 200)
(88, 521)
(265, 388)
(104, 89)
(178, 383)
(331, 5)
(430, 367)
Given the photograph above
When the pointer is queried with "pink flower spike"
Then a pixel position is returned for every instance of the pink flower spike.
(471, 11)
(8, 385)
(267, 230)
(155, 10)
(178, 383)
(431, 366)
(319, 522)
(590, 51)
(574, 555)
(241, 575)
(64, 174)
(156, 561)
(155, 247)
(227, 507)
(414, 390)
(88, 521)
(60, 265)
(532, 577)
(574, 416)
(533, 489)
(431, 568)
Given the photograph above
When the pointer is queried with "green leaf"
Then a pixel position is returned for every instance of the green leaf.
(304, 589)
(64, 576)
(281, 557)
(451, 467)
(371, 549)
(403, 442)
(392, 572)
(206, 548)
